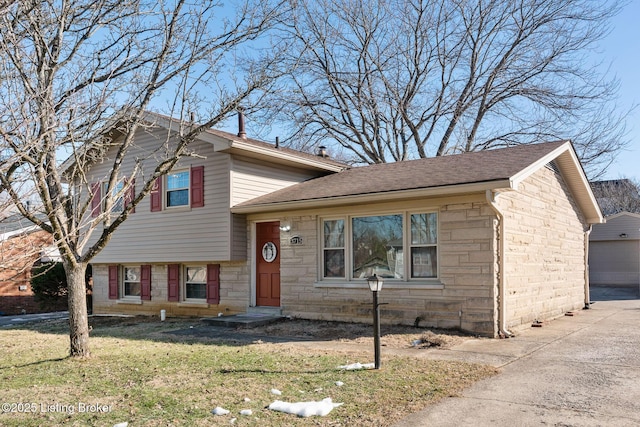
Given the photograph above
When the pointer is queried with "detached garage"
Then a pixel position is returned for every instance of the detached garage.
(614, 251)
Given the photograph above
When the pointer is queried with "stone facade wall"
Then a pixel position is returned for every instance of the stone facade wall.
(234, 294)
(544, 265)
(462, 298)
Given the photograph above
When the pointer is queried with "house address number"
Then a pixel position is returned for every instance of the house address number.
(295, 240)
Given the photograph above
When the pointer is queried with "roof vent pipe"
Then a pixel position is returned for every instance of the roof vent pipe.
(322, 151)
(241, 132)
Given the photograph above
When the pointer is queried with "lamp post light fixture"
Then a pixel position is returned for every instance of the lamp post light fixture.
(375, 284)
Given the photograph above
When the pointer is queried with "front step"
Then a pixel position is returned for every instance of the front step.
(244, 320)
(272, 311)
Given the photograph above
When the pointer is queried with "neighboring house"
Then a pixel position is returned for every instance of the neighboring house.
(486, 242)
(22, 246)
(614, 251)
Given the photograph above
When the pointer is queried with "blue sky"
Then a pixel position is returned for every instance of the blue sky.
(621, 51)
(619, 54)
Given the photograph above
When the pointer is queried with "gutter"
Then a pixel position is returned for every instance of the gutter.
(502, 327)
(587, 296)
(249, 207)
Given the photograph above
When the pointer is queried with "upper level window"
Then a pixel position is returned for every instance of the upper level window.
(118, 203)
(394, 246)
(178, 189)
(182, 188)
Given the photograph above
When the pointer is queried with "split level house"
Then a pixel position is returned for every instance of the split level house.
(485, 242)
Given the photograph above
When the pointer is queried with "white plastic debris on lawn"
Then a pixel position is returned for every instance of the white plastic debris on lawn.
(305, 409)
(219, 411)
(356, 366)
(276, 391)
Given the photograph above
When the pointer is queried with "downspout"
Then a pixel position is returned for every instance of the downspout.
(587, 296)
(502, 327)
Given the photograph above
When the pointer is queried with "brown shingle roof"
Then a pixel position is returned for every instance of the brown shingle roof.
(466, 168)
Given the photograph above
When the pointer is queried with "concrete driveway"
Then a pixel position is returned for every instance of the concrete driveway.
(20, 319)
(582, 370)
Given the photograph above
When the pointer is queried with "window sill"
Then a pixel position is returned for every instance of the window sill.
(129, 301)
(421, 285)
(172, 209)
(193, 304)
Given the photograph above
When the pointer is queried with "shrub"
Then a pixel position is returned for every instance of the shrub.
(49, 284)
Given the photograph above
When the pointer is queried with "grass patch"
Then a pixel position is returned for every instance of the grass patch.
(141, 375)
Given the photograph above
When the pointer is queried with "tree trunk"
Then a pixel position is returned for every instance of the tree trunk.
(78, 320)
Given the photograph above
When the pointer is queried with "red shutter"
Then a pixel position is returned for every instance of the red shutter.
(130, 194)
(113, 282)
(173, 282)
(145, 282)
(156, 195)
(96, 199)
(213, 283)
(197, 187)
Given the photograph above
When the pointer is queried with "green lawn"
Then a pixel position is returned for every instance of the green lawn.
(145, 377)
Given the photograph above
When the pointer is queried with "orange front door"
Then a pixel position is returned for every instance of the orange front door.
(268, 264)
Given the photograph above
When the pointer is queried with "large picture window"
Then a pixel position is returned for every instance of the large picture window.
(394, 246)
(377, 246)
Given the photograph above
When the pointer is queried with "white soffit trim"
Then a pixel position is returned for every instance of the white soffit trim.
(574, 176)
(533, 167)
(273, 153)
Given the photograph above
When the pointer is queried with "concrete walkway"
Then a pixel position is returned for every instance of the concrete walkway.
(582, 370)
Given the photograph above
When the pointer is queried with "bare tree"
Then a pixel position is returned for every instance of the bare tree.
(617, 195)
(389, 80)
(73, 73)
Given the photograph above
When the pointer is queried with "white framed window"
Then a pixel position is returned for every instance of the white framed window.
(118, 202)
(424, 245)
(401, 246)
(334, 249)
(195, 283)
(177, 189)
(131, 285)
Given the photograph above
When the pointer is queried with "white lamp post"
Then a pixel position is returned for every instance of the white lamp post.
(375, 284)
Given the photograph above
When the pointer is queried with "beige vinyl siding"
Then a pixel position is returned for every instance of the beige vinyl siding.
(180, 234)
(239, 241)
(250, 178)
(614, 262)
